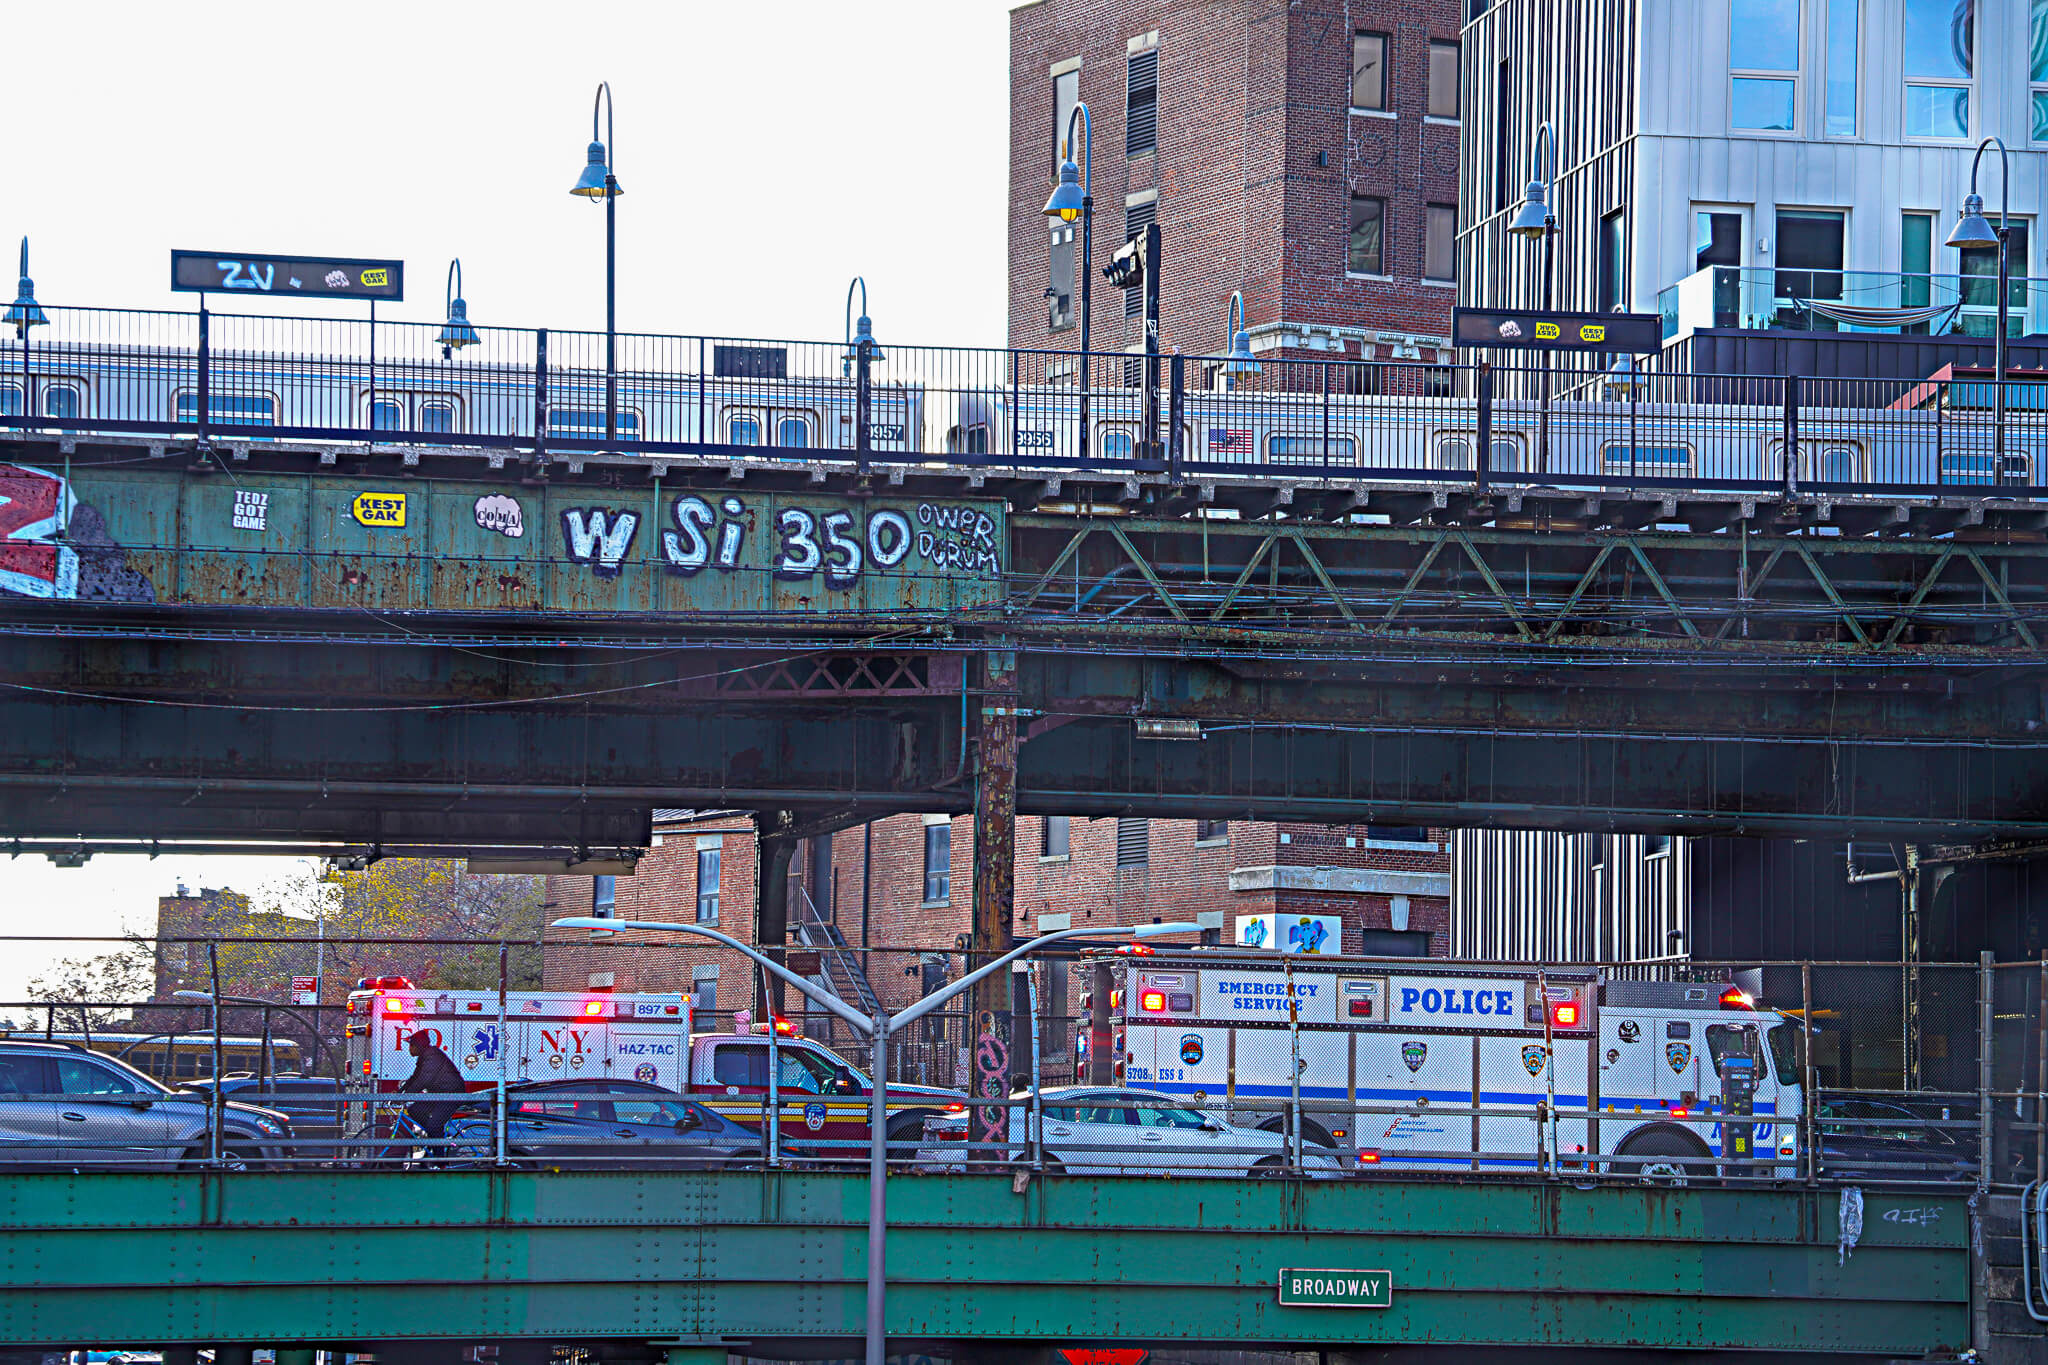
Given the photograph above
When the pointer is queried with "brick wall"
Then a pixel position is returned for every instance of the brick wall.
(881, 909)
(1258, 155)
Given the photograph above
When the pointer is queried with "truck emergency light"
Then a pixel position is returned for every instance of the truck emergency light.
(1152, 1002)
(1736, 998)
(1564, 1013)
(384, 983)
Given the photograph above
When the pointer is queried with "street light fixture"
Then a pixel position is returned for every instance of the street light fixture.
(598, 182)
(25, 312)
(1973, 229)
(1536, 218)
(1237, 361)
(860, 332)
(1074, 198)
(456, 333)
(878, 1030)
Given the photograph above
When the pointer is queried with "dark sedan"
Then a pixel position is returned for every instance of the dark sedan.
(1863, 1139)
(601, 1122)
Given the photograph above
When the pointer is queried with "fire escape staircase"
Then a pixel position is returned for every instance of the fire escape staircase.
(842, 974)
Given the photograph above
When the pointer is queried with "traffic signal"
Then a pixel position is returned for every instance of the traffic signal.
(1126, 269)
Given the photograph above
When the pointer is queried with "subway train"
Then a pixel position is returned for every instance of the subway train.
(969, 407)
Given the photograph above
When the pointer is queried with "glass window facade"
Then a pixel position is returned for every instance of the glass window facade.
(1841, 62)
(1941, 62)
(1763, 64)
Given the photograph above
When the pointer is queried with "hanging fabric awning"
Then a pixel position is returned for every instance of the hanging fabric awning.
(1857, 315)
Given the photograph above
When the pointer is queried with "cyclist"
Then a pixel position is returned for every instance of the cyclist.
(434, 1073)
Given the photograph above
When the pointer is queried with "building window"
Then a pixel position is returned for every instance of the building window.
(1443, 80)
(1842, 53)
(938, 862)
(1211, 831)
(2037, 66)
(1055, 834)
(1503, 162)
(1941, 60)
(1809, 255)
(1656, 846)
(1133, 843)
(1763, 64)
(1440, 243)
(1368, 236)
(1978, 266)
(1613, 260)
(1141, 103)
(1066, 93)
(1137, 217)
(604, 896)
(1398, 834)
(1369, 71)
(708, 871)
(704, 988)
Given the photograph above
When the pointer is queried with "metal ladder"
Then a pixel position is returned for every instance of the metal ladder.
(843, 974)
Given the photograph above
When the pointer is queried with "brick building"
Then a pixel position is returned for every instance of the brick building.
(898, 893)
(1305, 153)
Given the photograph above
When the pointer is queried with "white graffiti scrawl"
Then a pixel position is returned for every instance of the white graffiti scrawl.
(600, 537)
(958, 538)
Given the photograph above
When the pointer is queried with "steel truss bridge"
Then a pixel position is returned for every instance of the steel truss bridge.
(773, 1264)
(416, 648)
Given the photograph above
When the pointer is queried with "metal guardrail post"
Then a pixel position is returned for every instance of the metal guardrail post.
(1294, 1067)
(1809, 1106)
(1482, 458)
(504, 1057)
(1984, 1032)
(540, 395)
(216, 1097)
(1176, 401)
(1791, 435)
(1037, 1115)
(2041, 1070)
(863, 403)
(205, 368)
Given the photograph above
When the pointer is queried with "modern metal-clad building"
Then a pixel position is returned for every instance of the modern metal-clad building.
(1535, 896)
(1817, 151)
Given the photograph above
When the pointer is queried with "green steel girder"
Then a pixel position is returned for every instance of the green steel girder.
(778, 1261)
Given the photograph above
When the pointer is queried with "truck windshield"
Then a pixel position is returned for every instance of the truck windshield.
(1785, 1053)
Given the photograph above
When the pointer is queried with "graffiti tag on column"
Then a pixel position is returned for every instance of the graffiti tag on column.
(599, 537)
(992, 1063)
(841, 545)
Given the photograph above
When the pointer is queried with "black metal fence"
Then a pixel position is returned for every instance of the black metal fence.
(1606, 423)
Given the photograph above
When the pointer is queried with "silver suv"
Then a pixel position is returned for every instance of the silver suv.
(63, 1105)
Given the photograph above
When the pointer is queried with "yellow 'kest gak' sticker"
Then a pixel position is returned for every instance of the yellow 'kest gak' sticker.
(376, 279)
(1593, 331)
(1548, 331)
(379, 509)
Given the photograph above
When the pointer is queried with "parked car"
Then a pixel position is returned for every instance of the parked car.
(1868, 1139)
(1121, 1131)
(598, 1120)
(313, 1103)
(62, 1105)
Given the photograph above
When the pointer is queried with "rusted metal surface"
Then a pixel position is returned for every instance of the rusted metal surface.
(995, 875)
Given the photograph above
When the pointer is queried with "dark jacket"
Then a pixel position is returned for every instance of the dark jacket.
(436, 1074)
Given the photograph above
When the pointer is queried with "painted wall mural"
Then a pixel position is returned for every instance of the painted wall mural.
(53, 545)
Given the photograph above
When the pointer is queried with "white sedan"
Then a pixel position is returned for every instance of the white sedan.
(1092, 1130)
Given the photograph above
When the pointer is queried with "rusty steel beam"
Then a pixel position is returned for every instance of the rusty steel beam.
(995, 871)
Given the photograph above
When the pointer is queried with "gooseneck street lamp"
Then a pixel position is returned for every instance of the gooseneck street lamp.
(1237, 361)
(1537, 218)
(858, 364)
(598, 182)
(1972, 229)
(456, 333)
(22, 315)
(878, 1029)
(1074, 198)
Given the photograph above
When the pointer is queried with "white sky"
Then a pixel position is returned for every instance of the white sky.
(768, 154)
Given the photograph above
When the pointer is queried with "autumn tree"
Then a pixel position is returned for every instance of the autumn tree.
(97, 991)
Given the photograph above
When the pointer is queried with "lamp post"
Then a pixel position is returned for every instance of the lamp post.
(878, 1028)
(1972, 229)
(598, 182)
(858, 364)
(1072, 198)
(1237, 361)
(23, 314)
(1536, 218)
(456, 333)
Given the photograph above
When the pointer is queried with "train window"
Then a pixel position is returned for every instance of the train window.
(977, 439)
(10, 400)
(1663, 461)
(60, 400)
(1309, 450)
(1117, 443)
(792, 432)
(589, 422)
(1454, 451)
(743, 431)
(1982, 467)
(230, 409)
(387, 414)
(436, 416)
(1840, 464)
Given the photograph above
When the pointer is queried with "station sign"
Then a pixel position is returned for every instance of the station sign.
(326, 277)
(1537, 329)
(1336, 1289)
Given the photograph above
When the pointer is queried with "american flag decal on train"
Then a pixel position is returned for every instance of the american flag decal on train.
(1230, 438)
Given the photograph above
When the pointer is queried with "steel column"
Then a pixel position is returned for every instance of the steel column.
(995, 872)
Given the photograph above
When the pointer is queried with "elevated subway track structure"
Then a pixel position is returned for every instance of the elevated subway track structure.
(442, 648)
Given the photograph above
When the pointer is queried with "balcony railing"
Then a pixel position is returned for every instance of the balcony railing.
(1729, 296)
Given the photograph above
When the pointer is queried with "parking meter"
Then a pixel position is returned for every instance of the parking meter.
(1738, 1100)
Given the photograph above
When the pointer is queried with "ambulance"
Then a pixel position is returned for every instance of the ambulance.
(564, 1035)
(1568, 1069)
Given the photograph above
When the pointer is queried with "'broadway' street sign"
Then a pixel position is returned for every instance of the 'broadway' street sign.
(1336, 1289)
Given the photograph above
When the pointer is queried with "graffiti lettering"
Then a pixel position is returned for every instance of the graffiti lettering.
(957, 538)
(888, 537)
(34, 505)
(800, 557)
(842, 553)
(599, 537)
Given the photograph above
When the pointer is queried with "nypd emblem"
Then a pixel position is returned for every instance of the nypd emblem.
(1678, 1054)
(1533, 1056)
(1630, 1031)
(644, 1072)
(1414, 1052)
(1190, 1048)
(814, 1116)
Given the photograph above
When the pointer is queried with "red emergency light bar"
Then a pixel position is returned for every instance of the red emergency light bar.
(1138, 950)
(1736, 998)
(384, 983)
(1152, 1002)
